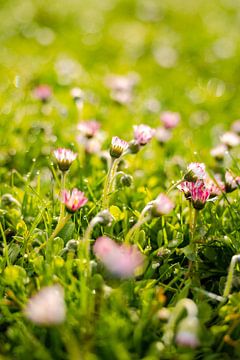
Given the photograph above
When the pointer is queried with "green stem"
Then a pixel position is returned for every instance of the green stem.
(5, 244)
(109, 182)
(61, 223)
(62, 206)
(228, 285)
(174, 185)
(142, 219)
(192, 312)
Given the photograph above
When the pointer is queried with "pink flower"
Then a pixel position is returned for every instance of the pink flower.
(195, 171)
(230, 139)
(143, 134)
(216, 187)
(187, 333)
(198, 193)
(118, 146)
(236, 127)
(163, 205)
(219, 151)
(42, 92)
(64, 158)
(231, 182)
(73, 200)
(47, 307)
(163, 135)
(170, 119)
(89, 128)
(121, 260)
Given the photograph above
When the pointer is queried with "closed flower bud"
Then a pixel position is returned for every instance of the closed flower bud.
(231, 182)
(163, 205)
(230, 139)
(187, 334)
(195, 171)
(126, 180)
(47, 307)
(134, 147)
(118, 146)
(104, 218)
(64, 158)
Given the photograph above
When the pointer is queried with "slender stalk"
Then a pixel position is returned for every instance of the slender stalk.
(174, 185)
(86, 243)
(109, 182)
(192, 312)
(142, 219)
(61, 223)
(5, 244)
(228, 285)
(62, 206)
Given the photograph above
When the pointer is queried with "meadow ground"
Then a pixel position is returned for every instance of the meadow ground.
(140, 261)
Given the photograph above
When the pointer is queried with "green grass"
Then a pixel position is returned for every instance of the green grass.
(109, 318)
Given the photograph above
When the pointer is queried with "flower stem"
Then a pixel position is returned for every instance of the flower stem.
(62, 206)
(142, 219)
(228, 285)
(174, 185)
(109, 182)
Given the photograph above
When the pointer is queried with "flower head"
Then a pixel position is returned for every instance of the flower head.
(73, 200)
(163, 135)
(230, 139)
(42, 92)
(47, 307)
(197, 192)
(195, 171)
(218, 152)
(216, 186)
(143, 134)
(89, 128)
(199, 195)
(163, 205)
(64, 158)
(77, 94)
(187, 334)
(236, 127)
(170, 119)
(121, 260)
(231, 182)
(118, 146)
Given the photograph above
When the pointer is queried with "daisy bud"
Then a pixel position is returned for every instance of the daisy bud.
(126, 180)
(73, 200)
(230, 139)
(77, 94)
(170, 119)
(186, 188)
(104, 218)
(231, 182)
(236, 127)
(89, 128)
(216, 187)
(47, 307)
(43, 93)
(143, 134)
(64, 158)
(163, 205)
(123, 261)
(118, 146)
(163, 135)
(134, 147)
(187, 333)
(218, 152)
(199, 195)
(195, 171)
